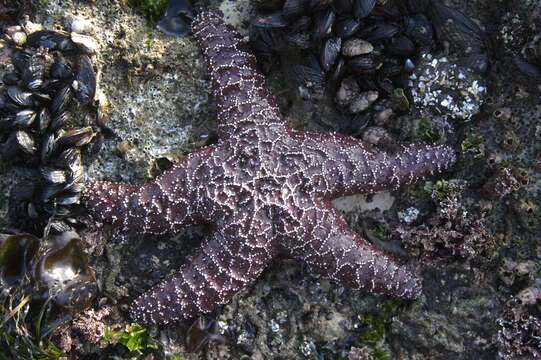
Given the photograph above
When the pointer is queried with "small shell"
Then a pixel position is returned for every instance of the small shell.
(348, 90)
(86, 43)
(81, 26)
(19, 38)
(355, 47)
(363, 101)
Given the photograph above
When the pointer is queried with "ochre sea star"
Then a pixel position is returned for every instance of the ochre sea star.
(266, 190)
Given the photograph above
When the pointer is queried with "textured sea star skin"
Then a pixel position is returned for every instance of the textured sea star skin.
(266, 190)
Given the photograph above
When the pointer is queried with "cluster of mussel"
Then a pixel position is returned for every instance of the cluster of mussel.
(48, 121)
(52, 78)
(364, 51)
(35, 273)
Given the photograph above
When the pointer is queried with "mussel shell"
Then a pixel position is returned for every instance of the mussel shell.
(323, 23)
(419, 29)
(301, 24)
(317, 5)
(41, 99)
(409, 66)
(53, 175)
(59, 226)
(450, 25)
(7, 107)
(59, 120)
(391, 67)
(47, 148)
(310, 75)
(61, 70)
(20, 97)
(32, 211)
(44, 120)
(68, 199)
(68, 158)
(329, 52)
(61, 100)
(298, 40)
(531, 71)
(32, 76)
(49, 39)
(20, 59)
(356, 46)
(50, 191)
(362, 8)
(19, 141)
(347, 27)
(379, 31)
(52, 86)
(272, 20)
(400, 45)
(338, 71)
(293, 8)
(177, 18)
(477, 62)
(24, 118)
(84, 83)
(408, 7)
(364, 63)
(16, 254)
(10, 78)
(75, 137)
(344, 6)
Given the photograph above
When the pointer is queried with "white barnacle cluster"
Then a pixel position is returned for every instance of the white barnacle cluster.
(444, 87)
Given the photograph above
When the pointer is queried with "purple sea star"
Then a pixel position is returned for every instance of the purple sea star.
(266, 189)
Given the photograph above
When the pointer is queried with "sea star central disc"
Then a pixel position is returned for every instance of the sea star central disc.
(266, 189)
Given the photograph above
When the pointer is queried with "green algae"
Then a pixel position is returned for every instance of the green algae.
(151, 10)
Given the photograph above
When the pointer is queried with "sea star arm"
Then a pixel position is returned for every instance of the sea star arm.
(346, 166)
(220, 267)
(326, 244)
(239, 88)
(167, 203)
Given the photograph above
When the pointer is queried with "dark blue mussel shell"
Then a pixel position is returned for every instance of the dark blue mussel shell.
(177, 18)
